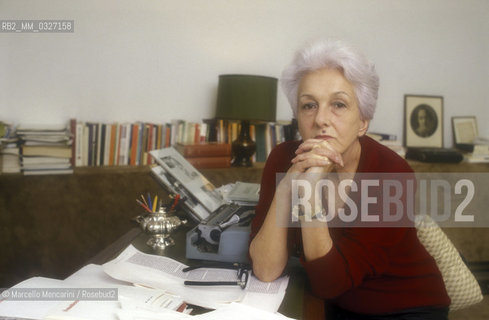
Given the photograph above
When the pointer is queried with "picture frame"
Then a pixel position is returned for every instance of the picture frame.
(464, 130)
(423, 121)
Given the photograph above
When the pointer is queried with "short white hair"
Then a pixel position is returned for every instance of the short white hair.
(336, 55)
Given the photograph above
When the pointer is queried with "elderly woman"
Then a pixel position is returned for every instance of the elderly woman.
(361, 273)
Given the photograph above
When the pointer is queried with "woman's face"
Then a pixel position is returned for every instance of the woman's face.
(328, 109)
(422, 118)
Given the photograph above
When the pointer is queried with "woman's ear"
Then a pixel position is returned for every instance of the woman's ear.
(363, 127)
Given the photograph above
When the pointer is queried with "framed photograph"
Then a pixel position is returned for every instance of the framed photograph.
(423, 121)
(464, 129)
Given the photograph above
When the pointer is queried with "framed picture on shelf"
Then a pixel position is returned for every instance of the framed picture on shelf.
(464, 129)
(423, 121)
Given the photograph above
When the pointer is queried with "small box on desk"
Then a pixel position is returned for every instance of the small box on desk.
(434, 155)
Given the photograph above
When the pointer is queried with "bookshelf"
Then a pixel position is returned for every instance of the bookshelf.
(96, 144)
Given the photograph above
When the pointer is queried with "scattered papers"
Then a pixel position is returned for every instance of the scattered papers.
(235, 311)
(137, 303)
(245, 191)
(30, 309)
(164, 273)
(131, 300)
(239, 311)
(241, 193)
(128, 298)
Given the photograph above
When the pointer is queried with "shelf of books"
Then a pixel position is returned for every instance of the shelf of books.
(35, 150)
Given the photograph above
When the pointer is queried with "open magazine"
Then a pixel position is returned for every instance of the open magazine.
(198, 194)
(199, 197)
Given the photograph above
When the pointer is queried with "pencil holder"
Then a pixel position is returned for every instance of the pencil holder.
(159, 225)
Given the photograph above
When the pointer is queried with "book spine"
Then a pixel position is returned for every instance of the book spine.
(103, 129)
(134, 144)
(108, 140)
(73, 141)
(210, 162)
(113, 139)
(79, 137)
(91, 148)
(139, 154)
(86, 144)
(204, 150)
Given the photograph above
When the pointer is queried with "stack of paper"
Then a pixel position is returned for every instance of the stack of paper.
(241, 193)
(46, 149)
(165, 273)
(9, 150)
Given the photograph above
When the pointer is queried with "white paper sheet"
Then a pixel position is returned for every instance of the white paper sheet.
(165, 273)
(239, 311)
(30, 309)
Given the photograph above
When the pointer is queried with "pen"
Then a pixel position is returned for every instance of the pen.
(240, 283)
(175, 202)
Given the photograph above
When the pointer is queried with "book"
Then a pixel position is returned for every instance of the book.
(44, 160)
(204, 150)
(28, 172)
(9, 162)
(47, 151)
(210, 162)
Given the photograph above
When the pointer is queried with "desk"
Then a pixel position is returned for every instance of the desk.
(298, 303)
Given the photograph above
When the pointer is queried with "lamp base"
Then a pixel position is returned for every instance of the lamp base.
(243, 147)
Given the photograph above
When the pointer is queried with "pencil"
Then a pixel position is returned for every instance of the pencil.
(150, 205)
(144, 200)
(155, 203)
(143, 205)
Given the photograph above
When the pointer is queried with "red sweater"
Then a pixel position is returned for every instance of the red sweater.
(368, 270)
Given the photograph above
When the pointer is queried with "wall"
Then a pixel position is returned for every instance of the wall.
(157, 60)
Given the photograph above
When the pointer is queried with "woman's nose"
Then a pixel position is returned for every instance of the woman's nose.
(323, 116)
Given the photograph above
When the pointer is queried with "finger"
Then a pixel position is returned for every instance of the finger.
(309, 156)
(325, 149)
(307, 145)
(321, 148)
(301, 163)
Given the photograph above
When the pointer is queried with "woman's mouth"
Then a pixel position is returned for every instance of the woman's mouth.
(323, 137)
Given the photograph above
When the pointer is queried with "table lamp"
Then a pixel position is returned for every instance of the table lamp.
(247, 98)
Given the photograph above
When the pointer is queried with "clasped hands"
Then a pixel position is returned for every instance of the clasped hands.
(315, 161)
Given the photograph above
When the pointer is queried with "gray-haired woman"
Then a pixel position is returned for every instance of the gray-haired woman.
(361, 272)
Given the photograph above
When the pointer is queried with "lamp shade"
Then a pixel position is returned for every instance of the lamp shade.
(247, 97)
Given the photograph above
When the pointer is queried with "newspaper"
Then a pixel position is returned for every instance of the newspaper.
(164, 273)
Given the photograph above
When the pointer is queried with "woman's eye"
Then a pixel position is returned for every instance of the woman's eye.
(339, 105)
(308, 106)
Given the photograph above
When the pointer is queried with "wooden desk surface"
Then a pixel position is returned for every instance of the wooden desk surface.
(298, 303)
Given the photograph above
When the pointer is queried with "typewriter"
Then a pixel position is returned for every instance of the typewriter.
(223, 228)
